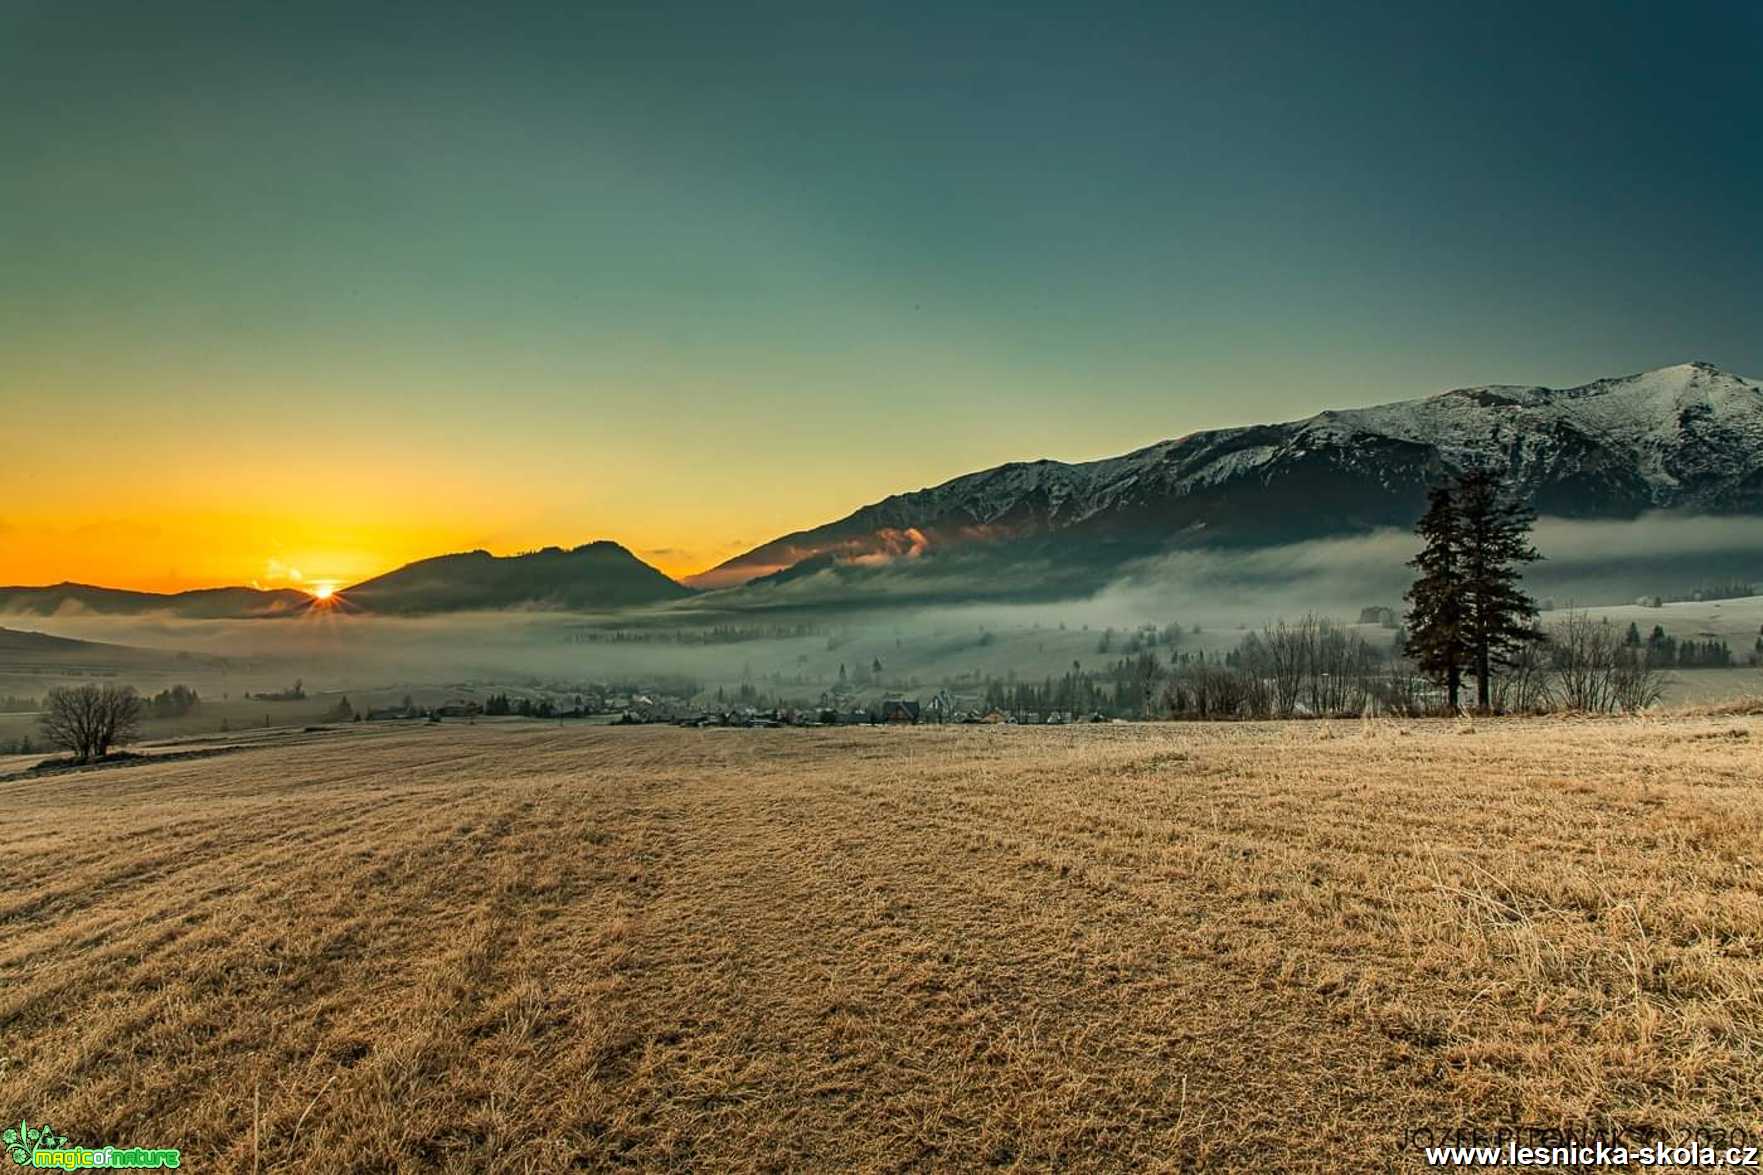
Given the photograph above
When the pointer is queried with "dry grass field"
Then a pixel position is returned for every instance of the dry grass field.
(514, 947)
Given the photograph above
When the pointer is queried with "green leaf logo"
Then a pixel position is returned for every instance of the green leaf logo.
(27, 1138)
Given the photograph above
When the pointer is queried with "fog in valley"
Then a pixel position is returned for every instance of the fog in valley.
(826, 639)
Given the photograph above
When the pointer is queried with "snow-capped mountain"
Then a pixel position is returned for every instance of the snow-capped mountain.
(1685, 437)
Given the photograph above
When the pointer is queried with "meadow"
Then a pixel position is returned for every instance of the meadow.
(510, 946)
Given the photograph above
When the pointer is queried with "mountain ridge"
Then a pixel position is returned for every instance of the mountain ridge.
(594, 576)
(1685, 436)
(196, 603)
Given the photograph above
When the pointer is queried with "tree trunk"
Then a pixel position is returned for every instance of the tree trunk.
(1480, 635)
(1453, 686)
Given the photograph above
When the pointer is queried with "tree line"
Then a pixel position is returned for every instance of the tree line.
(1667, 652)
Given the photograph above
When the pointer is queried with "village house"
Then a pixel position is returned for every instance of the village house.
(898, 710)
(458, 710)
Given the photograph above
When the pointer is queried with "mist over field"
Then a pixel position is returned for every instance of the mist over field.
(1589, 563)
(927, 621)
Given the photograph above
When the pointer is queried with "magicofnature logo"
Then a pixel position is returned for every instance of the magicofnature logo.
(41, 1147)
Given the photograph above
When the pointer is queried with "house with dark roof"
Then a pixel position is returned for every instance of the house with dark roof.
(899, 710)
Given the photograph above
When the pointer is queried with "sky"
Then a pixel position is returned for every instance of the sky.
(300, 292)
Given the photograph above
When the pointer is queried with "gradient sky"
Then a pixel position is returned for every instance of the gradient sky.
(333, 286)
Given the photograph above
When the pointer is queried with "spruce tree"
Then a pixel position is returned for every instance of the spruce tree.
(1500, 617)
(1438, 632)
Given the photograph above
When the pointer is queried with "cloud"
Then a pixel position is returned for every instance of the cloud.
(275, 569)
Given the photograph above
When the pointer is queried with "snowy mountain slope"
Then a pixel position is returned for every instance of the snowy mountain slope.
(1689, 436)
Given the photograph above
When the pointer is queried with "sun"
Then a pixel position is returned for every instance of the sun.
(323, 591)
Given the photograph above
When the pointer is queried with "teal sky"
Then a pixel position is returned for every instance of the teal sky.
(688, 276)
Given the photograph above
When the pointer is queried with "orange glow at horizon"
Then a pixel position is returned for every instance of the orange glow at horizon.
(276, 550)
(203, 477)
(204, 474)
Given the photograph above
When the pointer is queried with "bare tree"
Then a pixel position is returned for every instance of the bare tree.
(1401, 690)
(1637, 683)
(1524, 688)
(88, 719)
(1278, 658)
(1200, 690)
(1595, 671)
(1314, 665)
(1580, 654)
(1341, 664)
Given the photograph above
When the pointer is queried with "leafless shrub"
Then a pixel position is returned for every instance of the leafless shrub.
(1211, 691)
(1638, 684)
(88, 720)
(1401, 690)
(1591, 669)
(1524, 688)
(1277, 657)
(1314, 666)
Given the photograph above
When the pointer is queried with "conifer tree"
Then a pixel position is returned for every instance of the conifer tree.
(1501, 618)
(1438, 631)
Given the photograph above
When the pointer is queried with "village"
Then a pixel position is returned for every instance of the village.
(671, 709)
(1032, 675)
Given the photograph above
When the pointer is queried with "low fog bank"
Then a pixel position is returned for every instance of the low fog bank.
(343, 650)
(801, 637)
(1584, 563)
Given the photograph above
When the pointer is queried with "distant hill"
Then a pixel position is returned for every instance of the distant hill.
(593, 577)
(597, 576)
(1687, 438)
(200, 604)
(19, 648)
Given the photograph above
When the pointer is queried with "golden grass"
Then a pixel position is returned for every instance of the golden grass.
(518, 947)
(1734, 706)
